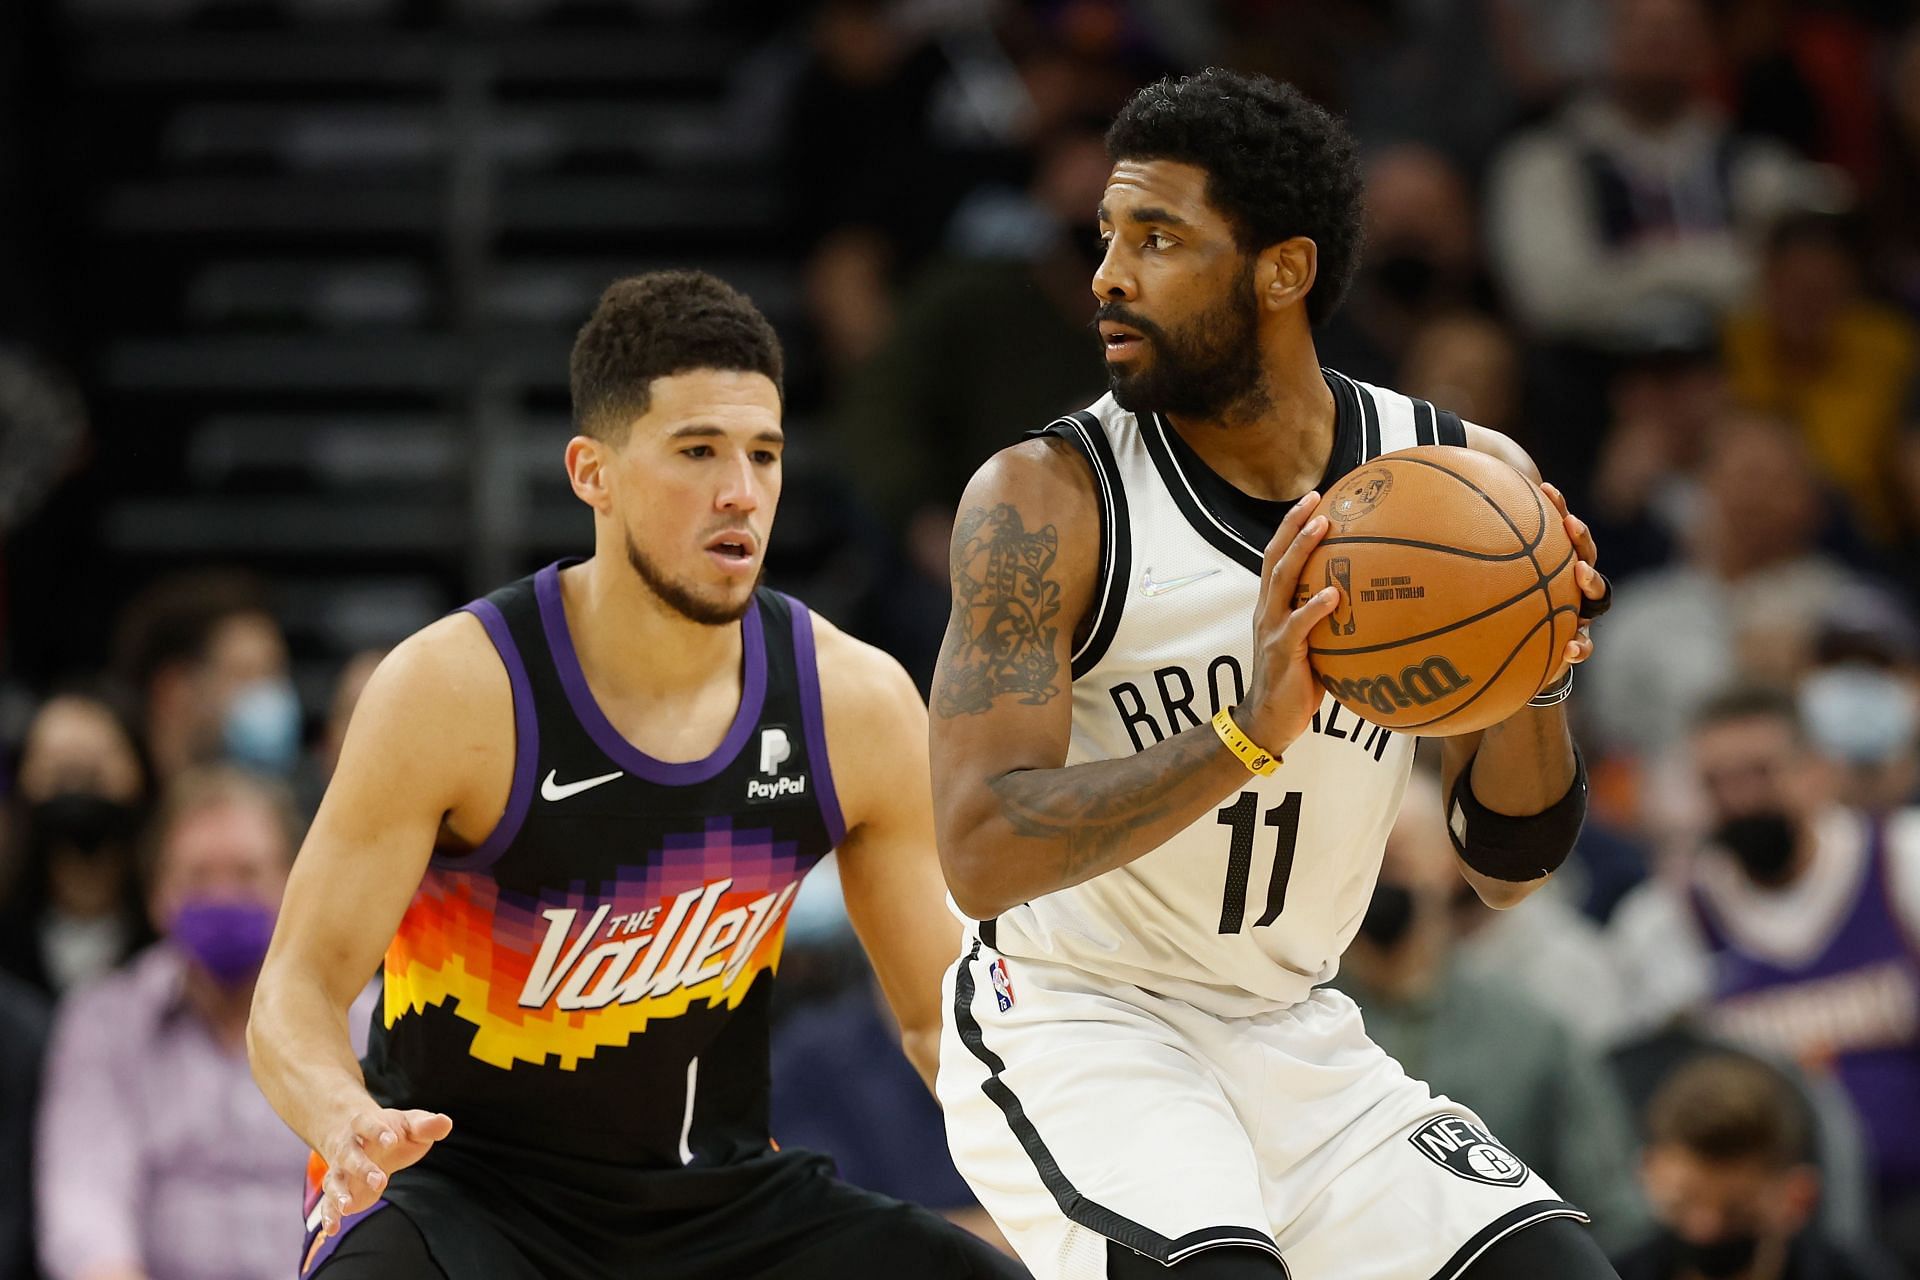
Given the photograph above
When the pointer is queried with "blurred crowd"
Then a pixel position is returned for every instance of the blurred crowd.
(1671, 246)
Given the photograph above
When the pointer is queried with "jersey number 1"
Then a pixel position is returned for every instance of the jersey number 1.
(1284, 818)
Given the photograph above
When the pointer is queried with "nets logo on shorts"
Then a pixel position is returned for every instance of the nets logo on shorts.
(1002, 984)
(1464, 1149)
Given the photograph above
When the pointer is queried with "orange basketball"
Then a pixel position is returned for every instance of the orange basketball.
(1458, 596)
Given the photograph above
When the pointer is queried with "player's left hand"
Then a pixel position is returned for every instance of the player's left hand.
(1596, 593)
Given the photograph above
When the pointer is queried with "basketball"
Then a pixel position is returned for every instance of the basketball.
(1457, 591)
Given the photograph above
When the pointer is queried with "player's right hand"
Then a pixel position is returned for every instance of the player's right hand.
(1283, 692)
(371, 1145)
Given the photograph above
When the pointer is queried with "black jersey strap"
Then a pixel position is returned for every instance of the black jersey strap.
(1083, 431)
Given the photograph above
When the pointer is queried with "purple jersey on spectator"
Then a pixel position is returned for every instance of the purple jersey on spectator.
(1853, 1002)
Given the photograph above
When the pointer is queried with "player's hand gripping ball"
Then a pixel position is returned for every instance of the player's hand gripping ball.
(1460, 597)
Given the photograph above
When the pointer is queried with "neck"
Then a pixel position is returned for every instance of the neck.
(1274, 443)
(224, 1009)
(633, 644)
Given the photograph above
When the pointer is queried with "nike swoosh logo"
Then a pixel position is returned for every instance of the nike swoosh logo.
(551, 790)
(1148, 587)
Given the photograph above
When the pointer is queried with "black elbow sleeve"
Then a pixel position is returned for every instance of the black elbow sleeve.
(1516, 849)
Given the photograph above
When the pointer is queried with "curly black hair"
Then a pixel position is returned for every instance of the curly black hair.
(656, 325)
(1277, 165)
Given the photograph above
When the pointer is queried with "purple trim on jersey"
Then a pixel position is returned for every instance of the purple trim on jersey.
(1883, 1080)
(753, 695)
(815, 722)
(312, 1262)
(526, 747)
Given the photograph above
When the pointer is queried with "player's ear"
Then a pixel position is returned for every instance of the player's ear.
(1285, 271)
(587, 472)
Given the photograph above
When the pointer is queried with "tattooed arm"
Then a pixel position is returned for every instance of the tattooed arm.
(1013, 823)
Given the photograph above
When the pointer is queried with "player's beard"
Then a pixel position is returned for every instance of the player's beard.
(1203, 369)
(681, 599)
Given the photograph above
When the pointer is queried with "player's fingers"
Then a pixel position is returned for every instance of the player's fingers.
(1284, 535)
(362, 1179)
(1580, 648)
(1279, 587)
(372, 1132)
(426, 1126)
(1582, 538)
(1558, 499)
(1314, 610)
(1591, 582)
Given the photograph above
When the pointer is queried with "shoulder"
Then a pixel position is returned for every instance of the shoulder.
(1048, 470)
(449, 670)
(1488, 441)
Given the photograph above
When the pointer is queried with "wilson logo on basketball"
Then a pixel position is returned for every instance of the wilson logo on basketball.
(1420, 685)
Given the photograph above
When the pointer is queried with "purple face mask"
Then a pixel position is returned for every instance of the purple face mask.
(227, 939)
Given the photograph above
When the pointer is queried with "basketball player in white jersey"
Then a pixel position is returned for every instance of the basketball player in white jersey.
(1165, 832)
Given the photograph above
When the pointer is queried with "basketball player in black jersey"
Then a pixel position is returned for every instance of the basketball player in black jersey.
(573, 816)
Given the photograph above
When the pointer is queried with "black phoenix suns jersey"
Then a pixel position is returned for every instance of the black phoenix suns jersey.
(590, 986)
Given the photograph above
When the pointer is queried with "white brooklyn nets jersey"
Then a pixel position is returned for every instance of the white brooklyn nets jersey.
(1249, 908)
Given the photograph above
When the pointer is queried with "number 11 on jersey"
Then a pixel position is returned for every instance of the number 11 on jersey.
(1241, 816)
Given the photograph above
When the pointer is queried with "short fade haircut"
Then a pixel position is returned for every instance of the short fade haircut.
(654, 326)
(1277, 165)
(1750, 702)
(1727, 1107)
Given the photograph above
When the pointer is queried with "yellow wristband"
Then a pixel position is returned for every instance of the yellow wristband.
(1251, 754)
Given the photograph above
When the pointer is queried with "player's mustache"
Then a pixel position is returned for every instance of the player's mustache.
(1119, 313)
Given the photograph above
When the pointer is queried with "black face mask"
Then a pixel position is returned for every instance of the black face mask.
(1717, 1259)
(1389, 915)
(1763, 843)
(80, 822)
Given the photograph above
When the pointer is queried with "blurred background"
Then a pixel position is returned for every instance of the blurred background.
(286, 294)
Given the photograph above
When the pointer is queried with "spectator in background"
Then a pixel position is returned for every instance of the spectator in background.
(1637, 190)
(1643, 488)
(1468, 362)
(989, 344)
(310, 783)
(1728, 1174)
(208, 663)
(157, 1158)
(1478, 1039)
(1817, 352)
(1422, 261)
(1895, 202)
(1747, 598)
(71, 909)
(1792, 927)
(23, 1041)
(1861, 703)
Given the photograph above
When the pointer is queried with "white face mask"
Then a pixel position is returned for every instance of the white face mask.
(1860, 715)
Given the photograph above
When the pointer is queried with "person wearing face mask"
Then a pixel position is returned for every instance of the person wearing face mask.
(157, 1158)
(1728, 1173)
(1862, 703)
(1479, 1038)
(208, 661)
(70, 911)
(1791, 930)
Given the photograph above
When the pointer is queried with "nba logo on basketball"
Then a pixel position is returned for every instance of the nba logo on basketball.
(1002, 984)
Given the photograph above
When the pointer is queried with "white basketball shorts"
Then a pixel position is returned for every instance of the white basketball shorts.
(1083, 1111)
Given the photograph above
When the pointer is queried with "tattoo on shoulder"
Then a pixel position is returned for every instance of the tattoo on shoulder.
(1000, 639)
